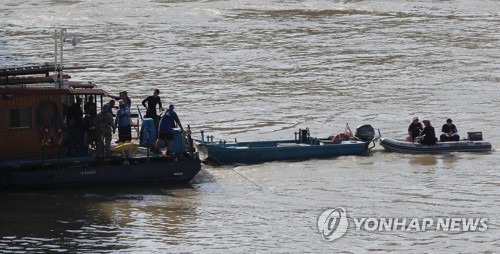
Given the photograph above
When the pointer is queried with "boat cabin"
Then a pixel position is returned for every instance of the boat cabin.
(33, 113)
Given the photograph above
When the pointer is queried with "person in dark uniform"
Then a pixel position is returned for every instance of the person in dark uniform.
(428, 133)
(111, 106)
(75, 114)
(90, 108)
(449, 132)
(90, 112)
(76, 127)
(166, 126)
(152, 101)
(414, 129)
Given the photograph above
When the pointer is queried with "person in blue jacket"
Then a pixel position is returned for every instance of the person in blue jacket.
(124, 97)
(165, 128)
(122, 120)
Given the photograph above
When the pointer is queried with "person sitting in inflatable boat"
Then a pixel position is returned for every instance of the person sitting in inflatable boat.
(414, 129)
(428, 133)
(449, 132)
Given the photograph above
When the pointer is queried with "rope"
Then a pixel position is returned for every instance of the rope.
(238, 173)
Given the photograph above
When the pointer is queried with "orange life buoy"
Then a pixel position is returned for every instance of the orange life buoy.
(340, 137)
(52, 138)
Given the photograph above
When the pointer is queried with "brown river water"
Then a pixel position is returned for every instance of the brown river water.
(261, 70)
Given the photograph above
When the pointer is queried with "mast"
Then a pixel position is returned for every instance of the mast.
(60, 36)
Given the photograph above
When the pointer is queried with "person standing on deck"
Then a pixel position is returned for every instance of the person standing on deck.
(104, 124)
(122, 120)
(124, 97)
(75, 114)
(166, 129)
(111, 105)
(76, 126)
(89, 108)
(152, 101)
(90, 112)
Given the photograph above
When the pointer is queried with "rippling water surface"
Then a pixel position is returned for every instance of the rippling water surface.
(261, 70)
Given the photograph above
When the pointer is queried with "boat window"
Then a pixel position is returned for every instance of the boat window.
(20, 118)
(4, 125)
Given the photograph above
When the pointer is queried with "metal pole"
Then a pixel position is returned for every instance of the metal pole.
(63, 31)
(55, 50)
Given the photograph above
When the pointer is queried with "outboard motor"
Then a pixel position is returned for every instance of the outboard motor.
(303, 135)
(365, 132)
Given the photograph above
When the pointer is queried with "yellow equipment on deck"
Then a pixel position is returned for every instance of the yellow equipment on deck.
(126, 148)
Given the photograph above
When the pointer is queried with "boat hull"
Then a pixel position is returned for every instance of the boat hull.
(402, 146)
(88, 171)
(256, 152)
